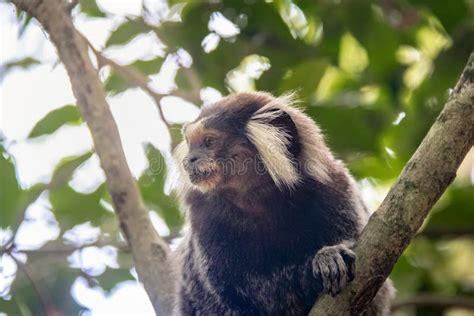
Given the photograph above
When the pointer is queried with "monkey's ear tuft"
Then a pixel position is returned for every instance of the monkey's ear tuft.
(275, 136)
(284, 123)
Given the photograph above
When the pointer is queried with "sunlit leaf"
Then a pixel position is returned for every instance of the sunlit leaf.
(242, 78)
(352, 56)
(431, 40)
(417, 73)
(68, 114)
(294, 18)
(332, 82)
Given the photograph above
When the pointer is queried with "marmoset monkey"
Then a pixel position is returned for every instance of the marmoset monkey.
(272, 214)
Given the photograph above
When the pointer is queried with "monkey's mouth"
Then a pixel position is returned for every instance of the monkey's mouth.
(200, 176)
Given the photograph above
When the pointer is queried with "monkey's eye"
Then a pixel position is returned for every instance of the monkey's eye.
(209, 141)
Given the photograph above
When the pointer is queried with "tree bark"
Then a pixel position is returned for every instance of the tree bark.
(421, 183)
(150, 252)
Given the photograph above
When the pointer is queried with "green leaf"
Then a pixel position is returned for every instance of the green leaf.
(126, 32)
(352, 55)
(14, 200)
(64, 170)
(111, 277)
(152, 187)
(90, 8)
(68, 114)
(10, 191)
(148, 67)
(72, 207)
(24, 20)
(115, 83)
(24, 63)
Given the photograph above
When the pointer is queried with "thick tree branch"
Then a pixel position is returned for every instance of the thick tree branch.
(423, 180)
(150, 252)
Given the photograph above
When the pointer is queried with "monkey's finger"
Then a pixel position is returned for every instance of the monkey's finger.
(342, 277)
(334, 276)
(349, 258)
(325, 276)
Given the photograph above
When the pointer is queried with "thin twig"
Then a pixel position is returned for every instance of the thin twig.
(42, 295)
(133, 77)
(63, 249)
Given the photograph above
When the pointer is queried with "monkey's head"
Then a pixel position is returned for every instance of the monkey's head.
(248, 141)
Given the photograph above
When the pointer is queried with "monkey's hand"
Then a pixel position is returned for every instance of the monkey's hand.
(335, 267)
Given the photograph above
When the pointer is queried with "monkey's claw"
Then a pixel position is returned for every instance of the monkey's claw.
(335, 267)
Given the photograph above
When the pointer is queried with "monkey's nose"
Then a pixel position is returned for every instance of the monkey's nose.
(190, 160)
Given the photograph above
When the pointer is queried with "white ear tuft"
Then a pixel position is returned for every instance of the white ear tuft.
(272, 145)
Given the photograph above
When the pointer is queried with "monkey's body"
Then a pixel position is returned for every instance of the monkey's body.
(251, 244)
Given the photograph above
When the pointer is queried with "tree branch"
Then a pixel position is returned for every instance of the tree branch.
(42, 295)
(59, 248)
(131, 75)
(150, 252)
(423, 180)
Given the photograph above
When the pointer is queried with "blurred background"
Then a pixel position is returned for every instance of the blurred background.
(373, 74)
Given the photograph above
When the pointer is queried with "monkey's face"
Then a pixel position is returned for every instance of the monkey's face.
(219, 160)
(201, 161)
